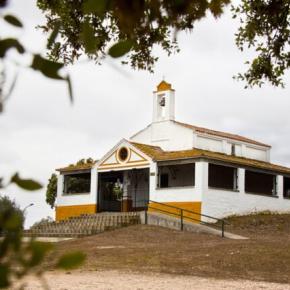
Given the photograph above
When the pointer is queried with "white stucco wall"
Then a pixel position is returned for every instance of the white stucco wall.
(160, 131)
(255, 153)
(77, 199)
(228, 148)
(142, 136)
(166, 134)
(177, 194)
(218, 144)
(221, 203)
(173, 137)
(209, 144)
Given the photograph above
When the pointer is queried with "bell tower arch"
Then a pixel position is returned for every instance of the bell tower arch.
(163, 103)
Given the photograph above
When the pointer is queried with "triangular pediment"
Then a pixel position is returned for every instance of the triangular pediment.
(123, 155)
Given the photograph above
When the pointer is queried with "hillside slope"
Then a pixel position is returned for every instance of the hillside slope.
(265, 256)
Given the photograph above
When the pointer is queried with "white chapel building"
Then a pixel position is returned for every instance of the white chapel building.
(190, 167)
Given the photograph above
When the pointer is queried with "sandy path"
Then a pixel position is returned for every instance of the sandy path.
(128, 281)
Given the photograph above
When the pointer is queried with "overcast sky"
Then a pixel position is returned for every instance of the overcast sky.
(41, 130)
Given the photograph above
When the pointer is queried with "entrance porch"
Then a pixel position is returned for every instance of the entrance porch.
(124, 190)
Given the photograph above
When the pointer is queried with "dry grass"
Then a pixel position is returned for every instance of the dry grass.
(265, 256)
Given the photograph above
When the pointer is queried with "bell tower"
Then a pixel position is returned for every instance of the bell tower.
(163, 103)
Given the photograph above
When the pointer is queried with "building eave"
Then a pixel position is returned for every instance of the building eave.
(158, 155)
(74, 168)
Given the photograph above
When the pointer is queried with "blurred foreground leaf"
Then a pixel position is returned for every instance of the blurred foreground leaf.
(19, 258)
(53, 35)
(47, 67)
(13, 20)
(71, 260)
(93, 6)
(121, 48)
(14, 223)
(38, 252)
(51, 69)
(4, 273)
(70, 90)
(27, 184)
(7, 43)
(88, 37)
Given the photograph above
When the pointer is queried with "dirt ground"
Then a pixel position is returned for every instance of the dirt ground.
(150, 250)
(102, 280)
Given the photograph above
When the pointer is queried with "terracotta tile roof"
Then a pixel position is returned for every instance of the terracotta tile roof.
(157, 154)
(74, 167)
(154, 152)
(221, 134)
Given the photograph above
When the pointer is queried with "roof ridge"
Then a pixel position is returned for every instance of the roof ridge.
(222, 134)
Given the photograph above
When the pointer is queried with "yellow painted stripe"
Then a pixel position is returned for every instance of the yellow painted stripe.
(187, 205)
(64, 212)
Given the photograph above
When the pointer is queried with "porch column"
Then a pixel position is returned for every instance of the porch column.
(201, 177)
(94, 186)
(280, 186)
(60, 184)
(241, 180)
(59, 192)
(201, 182)
(153, 180)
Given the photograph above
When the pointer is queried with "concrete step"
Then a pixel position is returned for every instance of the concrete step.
(85, 225)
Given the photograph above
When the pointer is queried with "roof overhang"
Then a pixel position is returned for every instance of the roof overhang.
(74, 169)
(158, 155)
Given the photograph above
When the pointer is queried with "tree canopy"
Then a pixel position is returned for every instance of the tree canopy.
(119, 27)
(265, 26)
(51, 190)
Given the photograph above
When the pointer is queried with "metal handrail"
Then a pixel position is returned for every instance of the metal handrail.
(182, 216)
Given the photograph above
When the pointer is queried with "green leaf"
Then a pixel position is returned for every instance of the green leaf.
(88, 37)
(7, 43)
(95, 6)
(13, 20)
(51, 69)
(38, 252)
(121, 48)
(4, 273)
(47, 67)
(27, 184)
(14, 222)
(53, 35)
(12, 86)
(70, 90)
(71, 260)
